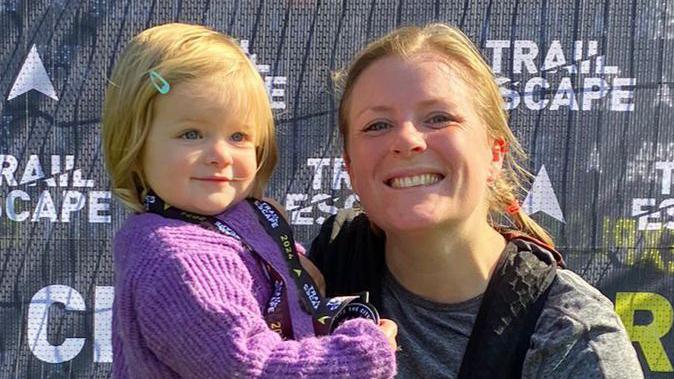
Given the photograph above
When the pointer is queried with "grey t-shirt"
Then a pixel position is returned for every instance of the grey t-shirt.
(578, 335)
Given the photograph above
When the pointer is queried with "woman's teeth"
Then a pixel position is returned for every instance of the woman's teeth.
(414, 181)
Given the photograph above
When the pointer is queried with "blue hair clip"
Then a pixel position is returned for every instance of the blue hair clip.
(159, 82)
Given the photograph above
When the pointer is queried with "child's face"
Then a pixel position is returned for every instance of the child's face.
(199, 155)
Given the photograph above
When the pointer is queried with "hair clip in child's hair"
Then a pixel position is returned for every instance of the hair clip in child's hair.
(159, 82)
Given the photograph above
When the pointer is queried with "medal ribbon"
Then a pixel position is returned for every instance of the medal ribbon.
(327, 314)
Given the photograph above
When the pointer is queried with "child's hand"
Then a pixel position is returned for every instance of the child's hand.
(390, 330)
(314, 273)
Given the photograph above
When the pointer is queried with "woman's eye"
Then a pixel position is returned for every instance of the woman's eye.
(439, 119)
(191, 134)
(377, 126)
(238, 137)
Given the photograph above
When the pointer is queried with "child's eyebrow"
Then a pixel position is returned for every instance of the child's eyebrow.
(192, 119)
(243, 126)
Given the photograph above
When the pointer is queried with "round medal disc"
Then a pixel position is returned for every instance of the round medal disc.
(356, 310)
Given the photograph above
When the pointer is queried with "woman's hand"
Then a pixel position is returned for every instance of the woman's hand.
(390, 330)
(314, 273)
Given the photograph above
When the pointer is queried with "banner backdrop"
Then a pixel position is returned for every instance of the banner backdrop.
(588, 84)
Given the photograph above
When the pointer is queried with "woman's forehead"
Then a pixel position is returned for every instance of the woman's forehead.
(426, 62)
(424, 78)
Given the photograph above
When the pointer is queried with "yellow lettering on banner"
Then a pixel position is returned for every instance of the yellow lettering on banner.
(647, 336)
(653, 256)
(640, 247)
(624, 235)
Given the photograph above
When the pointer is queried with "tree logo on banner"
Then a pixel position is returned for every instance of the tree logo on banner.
(542, 198)
(32, 75)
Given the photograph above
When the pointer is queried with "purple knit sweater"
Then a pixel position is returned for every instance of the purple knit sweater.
(189, 303)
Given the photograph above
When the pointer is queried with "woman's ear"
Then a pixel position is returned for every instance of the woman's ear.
(347, 165)
(498, 150)
(347, 162)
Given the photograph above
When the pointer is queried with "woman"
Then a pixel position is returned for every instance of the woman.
(434, 163)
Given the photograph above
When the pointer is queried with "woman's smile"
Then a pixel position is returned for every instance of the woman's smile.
(402, 182)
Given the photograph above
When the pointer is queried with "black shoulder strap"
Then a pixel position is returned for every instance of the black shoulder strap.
(350, 256)
(511, 306)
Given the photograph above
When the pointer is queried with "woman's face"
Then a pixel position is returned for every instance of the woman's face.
(417, 151)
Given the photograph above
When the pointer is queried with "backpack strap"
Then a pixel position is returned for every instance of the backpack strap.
(352, 260)
(512, 303)
(540, 248)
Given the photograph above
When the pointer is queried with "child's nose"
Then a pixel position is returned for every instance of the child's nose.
(219, 153)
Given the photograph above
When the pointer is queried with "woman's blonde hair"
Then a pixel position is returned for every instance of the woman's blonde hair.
(178, 53)
(462, 55)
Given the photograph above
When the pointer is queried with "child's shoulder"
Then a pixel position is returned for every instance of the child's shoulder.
(161, 235)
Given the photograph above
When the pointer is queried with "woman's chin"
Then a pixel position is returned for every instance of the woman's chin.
(411, 222)
(422, 217)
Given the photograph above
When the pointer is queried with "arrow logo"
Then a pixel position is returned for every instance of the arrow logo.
(542, 198)
(32, 75)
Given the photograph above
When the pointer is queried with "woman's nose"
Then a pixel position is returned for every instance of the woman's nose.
(408, 140)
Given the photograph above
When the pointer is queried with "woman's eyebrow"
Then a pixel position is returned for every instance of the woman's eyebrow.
(431, 102)
(375, 108)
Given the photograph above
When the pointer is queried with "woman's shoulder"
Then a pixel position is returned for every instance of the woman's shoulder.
(579, 332)
(572, 295)
(349, 254)
(575, 309)
(346, 235)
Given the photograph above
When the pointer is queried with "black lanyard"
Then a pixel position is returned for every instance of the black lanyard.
(327, 314)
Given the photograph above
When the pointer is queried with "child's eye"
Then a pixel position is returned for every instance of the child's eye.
(239, 137)
(191, 134)
(377, 126)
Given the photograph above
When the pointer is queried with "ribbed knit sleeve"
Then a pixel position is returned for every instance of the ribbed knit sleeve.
(198, 315)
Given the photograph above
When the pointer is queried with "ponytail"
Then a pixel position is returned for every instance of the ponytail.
(527, 225)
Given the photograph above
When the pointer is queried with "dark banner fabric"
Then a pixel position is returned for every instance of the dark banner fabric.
(589, 85)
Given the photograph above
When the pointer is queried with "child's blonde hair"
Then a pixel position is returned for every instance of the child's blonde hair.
(460, 53)
(178, 53)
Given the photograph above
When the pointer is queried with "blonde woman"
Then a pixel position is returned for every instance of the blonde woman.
(435, 165)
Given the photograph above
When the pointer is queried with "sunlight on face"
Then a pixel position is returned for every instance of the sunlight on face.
(199, 155)
(418, 152)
